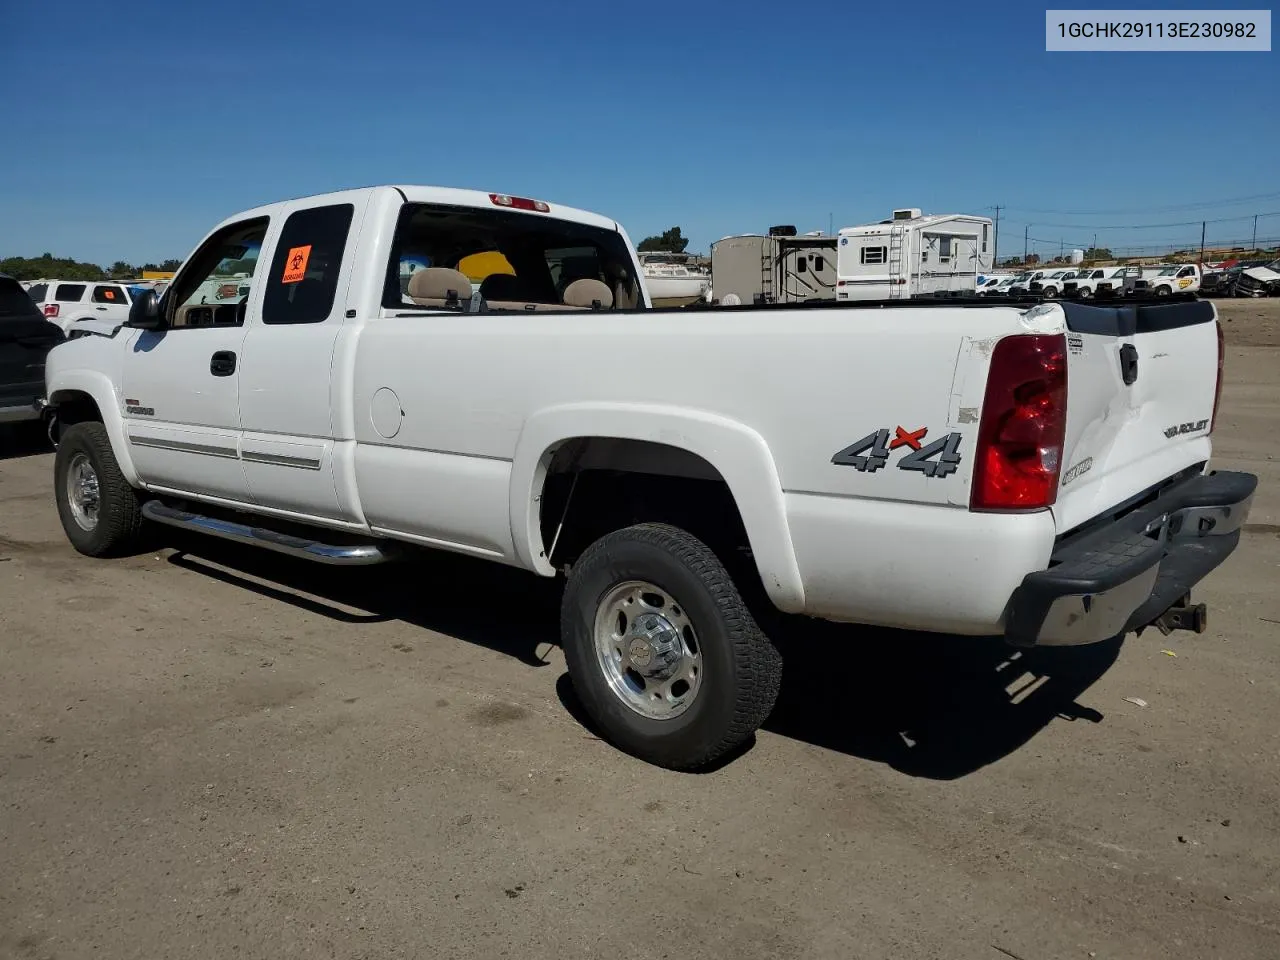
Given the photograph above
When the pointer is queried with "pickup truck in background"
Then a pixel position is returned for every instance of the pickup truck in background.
(1177, 278)
(1040, 476)
(1258, 281)
(1050, 286)
(1092, 281)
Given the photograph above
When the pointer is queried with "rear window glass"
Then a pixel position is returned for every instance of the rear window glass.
(14, 301)
(69, 292)
(514, 260)
(303, 281)
(37, 292)
(107, 294)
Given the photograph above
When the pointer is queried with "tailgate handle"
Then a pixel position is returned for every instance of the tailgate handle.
(1129, 363)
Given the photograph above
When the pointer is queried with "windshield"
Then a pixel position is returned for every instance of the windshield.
(1168, 272)
(443, 255)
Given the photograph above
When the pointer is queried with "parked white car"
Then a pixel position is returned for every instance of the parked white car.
(1088, 281)
(1050, 286)
(1035, 476)
(1176, 278)
(989, 281)
(83, 306)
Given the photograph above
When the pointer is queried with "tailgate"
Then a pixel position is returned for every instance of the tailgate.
(1141, 385)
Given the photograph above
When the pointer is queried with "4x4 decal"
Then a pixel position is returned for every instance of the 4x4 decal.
(939, 459)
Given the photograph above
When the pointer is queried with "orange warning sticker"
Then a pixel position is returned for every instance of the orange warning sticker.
(109, 294)
(295, 265)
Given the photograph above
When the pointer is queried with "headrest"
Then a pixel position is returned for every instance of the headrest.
(502, 286)
(587, 293)
(434, 283)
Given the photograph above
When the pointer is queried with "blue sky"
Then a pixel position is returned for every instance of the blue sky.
(144, 123)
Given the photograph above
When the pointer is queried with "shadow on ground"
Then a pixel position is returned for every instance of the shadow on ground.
(931, 706)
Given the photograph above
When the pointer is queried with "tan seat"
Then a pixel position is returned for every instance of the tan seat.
(588, 293)
(439, 287)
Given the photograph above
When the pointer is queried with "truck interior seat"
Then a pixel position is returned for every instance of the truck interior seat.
(439, 287)
(588, 293)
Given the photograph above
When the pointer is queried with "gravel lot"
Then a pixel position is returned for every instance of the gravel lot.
(213, 752)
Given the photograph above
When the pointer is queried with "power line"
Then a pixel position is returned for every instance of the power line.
(1149, 226)
(1195, 205)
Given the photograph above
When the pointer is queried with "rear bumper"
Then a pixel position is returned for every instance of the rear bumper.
(1130, 571)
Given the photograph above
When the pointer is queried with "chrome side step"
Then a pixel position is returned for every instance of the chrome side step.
(348, 555)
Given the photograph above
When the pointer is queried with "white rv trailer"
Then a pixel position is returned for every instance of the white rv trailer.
(778, 267)
(913, 255)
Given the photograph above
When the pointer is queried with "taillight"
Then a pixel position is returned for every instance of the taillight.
(519, 203)
(1217, 391)
(51, 309)
(1024, 420)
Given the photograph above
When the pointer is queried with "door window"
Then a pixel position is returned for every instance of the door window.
(37, 292)
(69, 292)
(214, 286)
(303, 281)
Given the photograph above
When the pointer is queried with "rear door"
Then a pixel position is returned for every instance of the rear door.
(289, 449)
(1141, 387)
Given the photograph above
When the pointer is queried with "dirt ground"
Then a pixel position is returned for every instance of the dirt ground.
(211, 752)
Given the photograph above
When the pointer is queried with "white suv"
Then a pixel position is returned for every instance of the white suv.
(83, 306)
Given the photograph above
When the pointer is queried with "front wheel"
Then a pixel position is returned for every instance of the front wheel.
(663, 653)
(1163, 291)
(1050, 292)
(100, 512)
(1084, 293)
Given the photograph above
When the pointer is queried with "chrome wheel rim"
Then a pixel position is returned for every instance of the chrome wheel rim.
(83, 495)
(648, 650)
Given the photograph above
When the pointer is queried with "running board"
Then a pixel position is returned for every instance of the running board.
(348, 555)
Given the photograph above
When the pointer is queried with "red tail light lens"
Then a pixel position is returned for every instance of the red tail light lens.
(51, 309)
(1217, 391)
(519, 203)
(1024, 420)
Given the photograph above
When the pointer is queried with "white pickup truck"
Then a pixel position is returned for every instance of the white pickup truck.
(1036, 473)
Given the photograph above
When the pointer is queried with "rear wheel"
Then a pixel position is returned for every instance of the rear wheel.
(100, 511)
(662, 651)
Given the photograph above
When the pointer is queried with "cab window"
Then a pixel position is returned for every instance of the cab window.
(214, 286)
(303, 282)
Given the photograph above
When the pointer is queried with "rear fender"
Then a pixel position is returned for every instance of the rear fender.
(739, 454)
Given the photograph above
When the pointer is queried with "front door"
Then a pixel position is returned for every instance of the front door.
(181, 383)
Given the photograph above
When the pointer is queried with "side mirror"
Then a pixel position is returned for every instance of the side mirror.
(145, 313)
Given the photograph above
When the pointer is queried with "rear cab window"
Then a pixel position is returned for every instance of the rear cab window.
(69, 292)
(303, 282)
(443, 256)
(37, 292)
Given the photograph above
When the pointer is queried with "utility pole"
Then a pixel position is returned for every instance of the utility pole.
(1025, 231)
(995, 243)
(1202, 223)
(1254, 244)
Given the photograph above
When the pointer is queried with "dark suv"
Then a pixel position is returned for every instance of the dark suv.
(26, 338)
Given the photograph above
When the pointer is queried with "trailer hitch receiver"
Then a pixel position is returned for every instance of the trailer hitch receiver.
(1183, 615)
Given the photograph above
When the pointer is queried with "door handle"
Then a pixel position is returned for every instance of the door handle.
(102, 308)
(222, 363)
(1128, 363)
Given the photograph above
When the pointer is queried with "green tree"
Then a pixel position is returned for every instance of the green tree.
(121, 270)
(171, 265)
(1098, 253)
(672, 241)
(54, 268)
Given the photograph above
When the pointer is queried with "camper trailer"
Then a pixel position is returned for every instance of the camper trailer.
(778, 267)
(913, 255)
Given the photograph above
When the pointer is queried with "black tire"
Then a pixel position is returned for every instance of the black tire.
(119, 523)
(1163, 291)
(1050, 293)
(1084, 293)
(741, 669)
